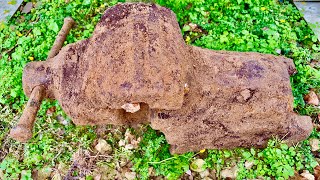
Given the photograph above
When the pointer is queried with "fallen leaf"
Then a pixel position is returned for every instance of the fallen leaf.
(56, 176)
(38, 4)
(151, 172)
(248, 164)
(307, 175)
(51, 110)
(198, 165)
(128, 136)
(130, 175)
(62, 120)
(97, 177)
(278, 51)
(314, 143)
(317, 172)
(122, 143)
(103, 147)
(312, 98)
(297, 176)
(230, 172)
(317, 126)
(193, 26)
(204, 173)
(44, 173)
(246, 94)
(1, 174)
(27, 8)
(135, 143)
(129, 146)
(189, 172)
(12, 2)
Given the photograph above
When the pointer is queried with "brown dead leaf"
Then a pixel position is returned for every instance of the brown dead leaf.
(97, 177)
(130, 175)
(314, 143)
(62, 120)
(317, 126)
(317, 172)
(51, 110)
(230, 172)
(103, 147)
(248, 164)
(27, 8)
(204, 173)
(312, 98)
(307, 175)
(297, 176)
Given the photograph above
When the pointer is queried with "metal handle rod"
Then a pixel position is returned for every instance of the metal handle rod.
(23, 131)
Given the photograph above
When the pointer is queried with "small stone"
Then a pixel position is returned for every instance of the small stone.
(130, 175)
(193, 26)
(44, 173)
(56, 176)
(103, 147)
(151, 171)
(128, 136)
(307, 175)
(207, 178)
(97, 177)
(204, 173)
(131, 107)
(278, 51)
(135, 143)
(246, 94)
(122, 143)
(1, 174)
(230, 172)
(186, 88)
(248, 164)
(312, 98)
(62, 168)
(314, 143)
(198, 165)
(129, 146)
(62, 120)
(27, 8)
(122, 163)
(189, 172)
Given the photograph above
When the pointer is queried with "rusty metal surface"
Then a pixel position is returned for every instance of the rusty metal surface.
(136, 68)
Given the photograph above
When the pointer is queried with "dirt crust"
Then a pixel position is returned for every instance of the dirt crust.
(197, 97)
(234, 100)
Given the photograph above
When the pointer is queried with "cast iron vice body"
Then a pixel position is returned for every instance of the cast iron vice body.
(136, 68)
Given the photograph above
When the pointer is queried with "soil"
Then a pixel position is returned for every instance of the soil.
(234, 100)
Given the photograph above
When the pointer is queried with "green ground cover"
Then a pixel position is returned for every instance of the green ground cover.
(59, 149)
